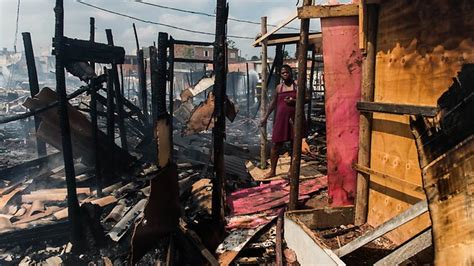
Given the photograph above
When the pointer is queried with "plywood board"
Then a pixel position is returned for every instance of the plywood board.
(421, 45)
(342, 69)
(308, 170)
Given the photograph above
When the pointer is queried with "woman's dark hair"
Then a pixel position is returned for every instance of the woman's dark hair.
(290, 71)
(287, 67)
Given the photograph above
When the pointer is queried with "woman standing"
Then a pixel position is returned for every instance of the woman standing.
(284, 102)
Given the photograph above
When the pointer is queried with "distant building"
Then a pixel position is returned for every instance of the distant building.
(203, 52)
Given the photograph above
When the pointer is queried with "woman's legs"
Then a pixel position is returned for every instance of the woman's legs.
(274, 158)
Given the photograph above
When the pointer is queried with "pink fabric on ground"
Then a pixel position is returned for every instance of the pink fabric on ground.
(271, 195)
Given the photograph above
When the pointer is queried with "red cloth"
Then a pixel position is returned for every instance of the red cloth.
(282, 128)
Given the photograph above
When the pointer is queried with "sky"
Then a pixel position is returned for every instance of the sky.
(37, 17)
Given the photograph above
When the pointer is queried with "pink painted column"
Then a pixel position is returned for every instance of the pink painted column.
(342, 76)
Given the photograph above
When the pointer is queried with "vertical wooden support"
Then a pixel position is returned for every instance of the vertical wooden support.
(234, 93)
(122, 86)
(93, 113)
(142, 94)
(365, 120)
(171, 88)
(73, 205)
(263, 98)
(162, 119)
(248, 90)
(110, 107)
(118, 97)
(34, 86)
(299, 115)
(154, 84)
(311, 87)
(218, 132)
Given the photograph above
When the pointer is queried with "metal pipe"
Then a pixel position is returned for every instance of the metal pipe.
(299, 115)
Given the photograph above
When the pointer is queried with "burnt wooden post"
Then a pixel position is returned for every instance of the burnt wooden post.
(218, 132)
(248, 90)
(263, 99)
(142, 95)
(154, 85)
(365, 120)
(34, 86)
(171, 87)
(110, 107)
(122, 84)
(118, 96)
(299, 115)
(234, 93)
(311, 88)
(92, 36)
(93, 113)
(162, 119)
(161, 69)
(72, 203)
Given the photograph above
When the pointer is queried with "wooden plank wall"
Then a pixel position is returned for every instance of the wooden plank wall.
(421, 45)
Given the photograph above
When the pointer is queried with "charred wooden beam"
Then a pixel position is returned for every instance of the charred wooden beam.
(218, 132)
(93, 114)
(28, 167)
(192, 60)
(81, 50)
(73, 204)
(299, 115)
(34, 86)
(171, 61)
(399, 109)
(24, 115)
(38, 234)
(110, 107)
(142, 98)
(154, 84)
(162, 118)
(118, 95)
(184, 42)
